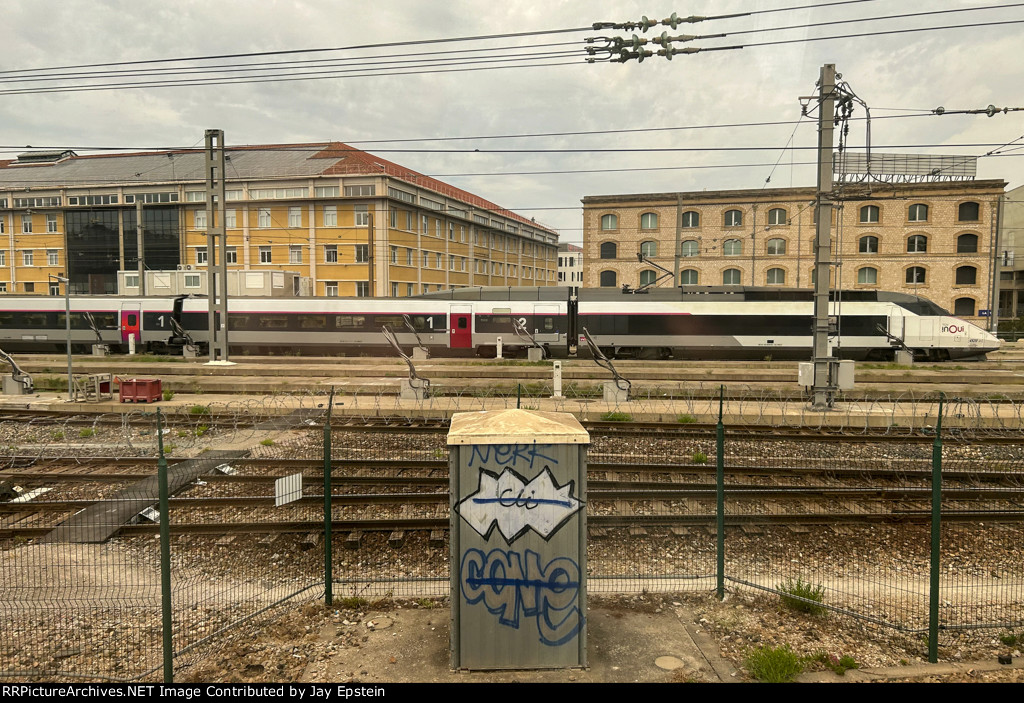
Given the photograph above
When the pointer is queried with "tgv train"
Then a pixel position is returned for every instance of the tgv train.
(730, 322)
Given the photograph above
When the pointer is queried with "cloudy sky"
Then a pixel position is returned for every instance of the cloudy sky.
(901, 77)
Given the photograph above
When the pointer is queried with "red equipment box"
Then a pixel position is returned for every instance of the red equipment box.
(139, 390)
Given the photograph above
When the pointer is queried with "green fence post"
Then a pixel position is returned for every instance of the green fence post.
(933, 596)
(720, 495)
(328, 509)
(165, 555)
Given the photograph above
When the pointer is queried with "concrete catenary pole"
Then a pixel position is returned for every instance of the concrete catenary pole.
(823, 391)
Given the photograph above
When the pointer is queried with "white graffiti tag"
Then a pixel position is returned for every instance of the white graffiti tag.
(515, 506)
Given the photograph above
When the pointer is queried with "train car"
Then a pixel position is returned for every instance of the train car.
(729, 322)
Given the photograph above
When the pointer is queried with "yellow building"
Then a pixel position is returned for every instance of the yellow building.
(338, 216)
(934, 239)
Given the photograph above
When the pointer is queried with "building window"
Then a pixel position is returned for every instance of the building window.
(200, 219)
(867, 276)
(360, 191)
(263, 217)
(649, 248)
(775, 247)
(648, 278)
(231, 255)
(967, 244)
(394, 290)
(734, 218)
(408, 257)
(331, 216)
(231, 219)
(131, 280)
(294, 217)
(424, 223)
(362, 289)
(3, 286)
(331, 289)
(963, 307)
(649, 220)
(732, 277)
(868, 245)
(915, 275)
(608, 279)
(331, 254)
(3, 257)
(869, 214)
(51, 223)
(326, 191)
(777, 216)
(265, 255)
(52, 257)
(362, 253)
(409, 289)
(917, 244)
(362, 215)
(294, 254)
(426, 259)
(966, 276)
(776, 277)
(26, 224)
(918, 213)
(968, 212)
(192, 280)
(200, 255)
(691, 247)
(27, 258)
(691, 219)
(30, 287)
(394, 258)
(609, 250)
(689, 277)
(732, 247)
(609, 222)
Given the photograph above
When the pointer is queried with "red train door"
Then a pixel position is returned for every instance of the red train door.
(460, 328)
(131, 323)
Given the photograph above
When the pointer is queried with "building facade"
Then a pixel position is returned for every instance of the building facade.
(338, 216)
(934, 239)
(570, 265)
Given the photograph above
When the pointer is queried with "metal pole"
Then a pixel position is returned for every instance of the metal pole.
(936, 540)
(67, 327)
(679, 237)
(328, 509)
(822, 390)
(139, 245)
(371, 282)
(720, 497)
(165, 556)
(215, 215)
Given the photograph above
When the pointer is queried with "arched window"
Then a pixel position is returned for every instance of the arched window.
(733, 218)
(867, 276)
(918, 213)
(967, 244)
(869, 214)
(732, 247)
(917, 244)
(963, 307)
(776, 277)
(968, 212)
(966, 275)
(608, 279)
(649, 248)
(915, 275)
(649, 220)
(648, 277)
(691, 247)
(609, 221)
(732, 277)
(868, 245)
(609, 250)
(691, 218)
(688, 277)
(775, 247)
(777, 216)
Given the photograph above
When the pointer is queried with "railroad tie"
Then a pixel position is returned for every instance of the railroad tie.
(436, 538)
(352, 541)
(225, 540)
(396, 539)
(597, 532)
(268, 539)
(678, 531)
(311, 540)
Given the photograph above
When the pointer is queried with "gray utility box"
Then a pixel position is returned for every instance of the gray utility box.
(518, 540)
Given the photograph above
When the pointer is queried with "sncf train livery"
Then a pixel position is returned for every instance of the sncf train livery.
(731, 322)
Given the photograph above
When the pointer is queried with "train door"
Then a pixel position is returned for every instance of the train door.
(545, 323)
(460, 327)
(896, 323)
(131, 322)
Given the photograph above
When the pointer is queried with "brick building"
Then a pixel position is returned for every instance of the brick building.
(934, 239)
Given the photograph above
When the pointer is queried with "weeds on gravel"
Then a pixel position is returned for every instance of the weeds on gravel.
(839, 665)
(617, 417)
(1009, 639)
(774, 664)
(700, 458)
(199, 410)
(353, 602)
(686, 419)
(802, 596)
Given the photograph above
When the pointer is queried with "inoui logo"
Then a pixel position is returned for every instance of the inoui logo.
(953, 328)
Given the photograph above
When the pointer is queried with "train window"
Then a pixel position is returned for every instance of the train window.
(238, 322)
(968, 212)
(548, 323)
(916, 275)
(967, 244)
(313, 322)
(734, 218)
(917, 243)
(273, 322)
(966, 276)
(394, 321)
(691, 247)
(349, 321)
(869, 214)
(963, 307)
(133, 320)
(462, 323)
(868, 245)
(33, 319)
(6, 320)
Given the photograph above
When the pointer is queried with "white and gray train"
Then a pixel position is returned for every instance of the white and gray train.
(692, 322)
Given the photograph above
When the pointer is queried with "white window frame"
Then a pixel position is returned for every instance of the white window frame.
(330, 216)
(266, 255)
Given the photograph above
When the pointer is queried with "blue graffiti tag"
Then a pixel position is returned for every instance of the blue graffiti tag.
(509, 454)
(548, 594)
